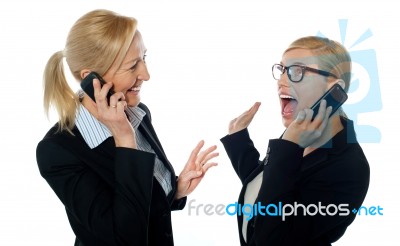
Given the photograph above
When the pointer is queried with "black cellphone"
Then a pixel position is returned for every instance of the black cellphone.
(335, 97)
(87, 85)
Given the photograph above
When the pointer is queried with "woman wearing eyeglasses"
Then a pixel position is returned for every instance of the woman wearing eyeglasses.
(315, 173)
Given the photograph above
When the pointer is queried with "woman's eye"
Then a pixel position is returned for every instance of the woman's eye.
(297, 71)
(133, 67)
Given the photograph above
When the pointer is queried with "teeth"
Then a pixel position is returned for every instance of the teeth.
(286, 97)
(135, 88)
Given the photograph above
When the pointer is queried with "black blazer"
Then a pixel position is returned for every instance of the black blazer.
(109, 193)
(337, 173)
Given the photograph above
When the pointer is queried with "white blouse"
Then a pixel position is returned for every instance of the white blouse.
(250, 196)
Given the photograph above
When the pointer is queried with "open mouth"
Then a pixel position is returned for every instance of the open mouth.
(135, 88)
(288, 103)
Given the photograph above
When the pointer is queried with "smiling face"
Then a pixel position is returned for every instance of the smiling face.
(297, 96)
(129, 76)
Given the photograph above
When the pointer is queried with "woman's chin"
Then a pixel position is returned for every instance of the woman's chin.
(286, 121)
(133, 102)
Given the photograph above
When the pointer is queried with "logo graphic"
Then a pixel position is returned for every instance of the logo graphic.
(248, 211)
(364, 92)
(372, 210)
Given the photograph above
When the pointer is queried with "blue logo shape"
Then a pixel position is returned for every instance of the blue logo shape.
(364, 85)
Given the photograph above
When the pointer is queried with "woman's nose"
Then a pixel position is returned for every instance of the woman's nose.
(143, 73)
(283, 81)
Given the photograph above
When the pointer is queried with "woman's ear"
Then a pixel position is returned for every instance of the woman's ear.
(341, 83)
(84, 73)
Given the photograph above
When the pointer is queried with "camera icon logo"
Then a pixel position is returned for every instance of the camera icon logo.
(364, 92)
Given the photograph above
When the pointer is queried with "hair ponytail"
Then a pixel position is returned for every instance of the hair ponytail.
(58, 93)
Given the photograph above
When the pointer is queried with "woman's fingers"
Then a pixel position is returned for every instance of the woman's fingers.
(305, 116)
(194, 153)
(320, 114)
(208, 166)
(304, 131)
(101, 92)
(326, 119)
(244, 120)
(248, 116)
(195, 168)
(205, 155)
(253, 110)
(188, 176)
(301, 116)
(121, 106)
(100, 102)
(116, 98)
(198, 158)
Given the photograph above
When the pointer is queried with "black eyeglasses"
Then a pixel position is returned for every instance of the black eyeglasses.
(296, 72)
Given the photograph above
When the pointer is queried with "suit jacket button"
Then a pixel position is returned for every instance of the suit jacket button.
(266, 159)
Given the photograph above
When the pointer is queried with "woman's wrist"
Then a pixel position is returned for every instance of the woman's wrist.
(129, 142)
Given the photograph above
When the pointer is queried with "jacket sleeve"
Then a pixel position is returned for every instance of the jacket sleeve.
(338, 181)
(179, 204)
(242, 153)
(113, 215)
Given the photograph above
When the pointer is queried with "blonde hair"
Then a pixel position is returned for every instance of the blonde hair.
(331, 57)
(96, 41)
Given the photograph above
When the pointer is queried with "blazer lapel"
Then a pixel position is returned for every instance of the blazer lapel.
(147, 130)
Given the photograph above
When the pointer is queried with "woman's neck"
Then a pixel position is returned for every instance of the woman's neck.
(333, 127)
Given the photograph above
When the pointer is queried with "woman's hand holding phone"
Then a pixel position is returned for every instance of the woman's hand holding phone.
(303, 130)
(113, 115)
(309, 125)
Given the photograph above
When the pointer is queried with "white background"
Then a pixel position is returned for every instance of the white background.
(209, 61)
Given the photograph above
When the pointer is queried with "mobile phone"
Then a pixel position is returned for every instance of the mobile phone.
(335, 97)
(87, 85)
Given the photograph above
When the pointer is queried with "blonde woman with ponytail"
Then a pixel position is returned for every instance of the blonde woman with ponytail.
(103, 158)
(312, 177)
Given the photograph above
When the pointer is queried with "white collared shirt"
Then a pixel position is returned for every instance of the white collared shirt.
(94, 133)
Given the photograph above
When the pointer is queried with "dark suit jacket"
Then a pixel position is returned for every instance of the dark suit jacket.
(109, 193)
(337, 173)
